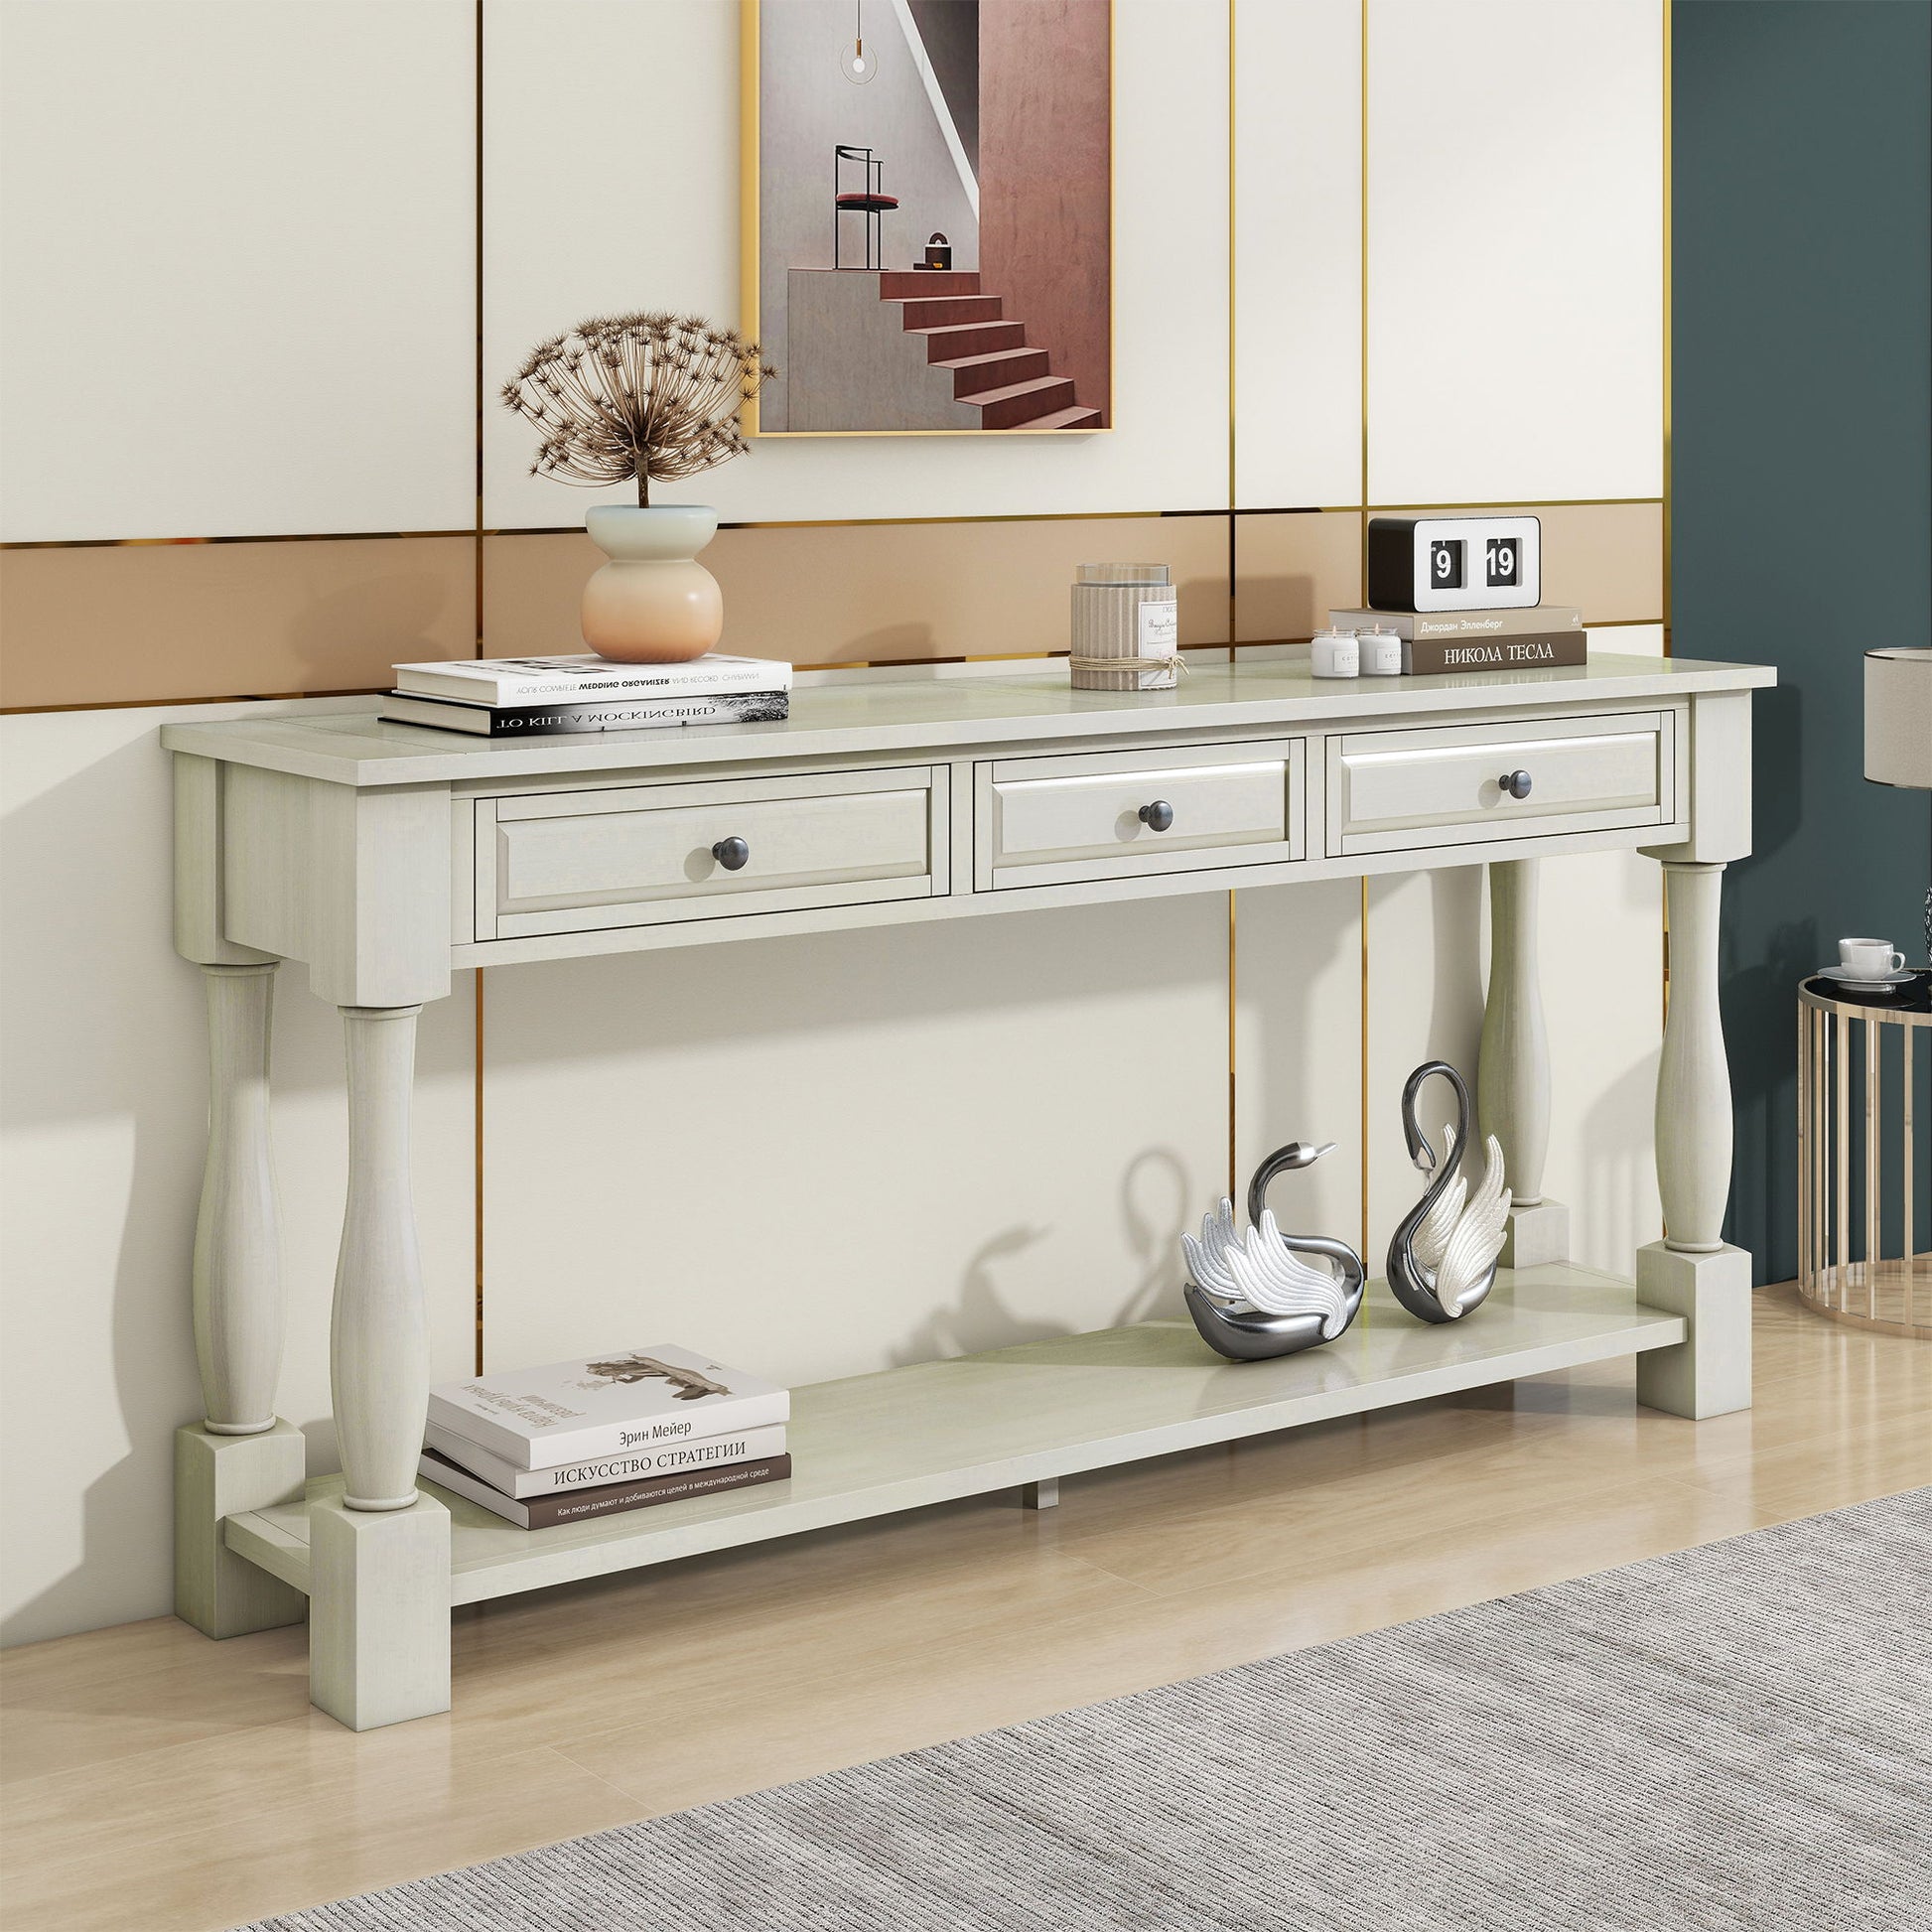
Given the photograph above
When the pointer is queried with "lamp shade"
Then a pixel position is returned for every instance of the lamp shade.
(1898, 716)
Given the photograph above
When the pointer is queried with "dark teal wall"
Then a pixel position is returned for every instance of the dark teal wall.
(1802, 488)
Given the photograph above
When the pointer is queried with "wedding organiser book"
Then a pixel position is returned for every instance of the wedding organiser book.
(550, 697)
(581, 1439)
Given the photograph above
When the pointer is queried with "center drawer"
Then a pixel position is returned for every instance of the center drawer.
(1051, 821)
(583, 860)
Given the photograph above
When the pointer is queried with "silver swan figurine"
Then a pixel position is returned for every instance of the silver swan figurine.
(1252, 1297)
(1443, 1258)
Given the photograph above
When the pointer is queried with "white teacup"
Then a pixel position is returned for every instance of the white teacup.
(1869, 959)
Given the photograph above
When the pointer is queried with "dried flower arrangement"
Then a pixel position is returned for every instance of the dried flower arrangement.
(640, 396)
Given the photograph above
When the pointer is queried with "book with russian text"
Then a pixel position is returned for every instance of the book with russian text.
(1536, 620)
(630, 1466)
(582, 675)
(572, 1412)
(580, 1505)
(1427, 656)
(550, 719)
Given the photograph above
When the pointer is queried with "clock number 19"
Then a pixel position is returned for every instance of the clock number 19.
(1499, 563)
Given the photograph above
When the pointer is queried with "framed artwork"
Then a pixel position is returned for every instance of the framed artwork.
(927, 228)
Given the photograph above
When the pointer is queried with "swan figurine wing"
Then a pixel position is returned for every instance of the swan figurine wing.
(1207, 1258)
(1477, 1239)
(1430, 1240)
(1277, 1282)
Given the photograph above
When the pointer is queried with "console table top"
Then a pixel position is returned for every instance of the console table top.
(916, 714)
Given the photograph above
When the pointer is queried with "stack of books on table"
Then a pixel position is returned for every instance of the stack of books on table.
(550, 697)
(577, 1439)
(1539, 635)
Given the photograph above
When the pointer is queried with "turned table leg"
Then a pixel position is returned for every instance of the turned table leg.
(238, 1457)
(1692, 1271)
(379, 1576)
(1513, 1074)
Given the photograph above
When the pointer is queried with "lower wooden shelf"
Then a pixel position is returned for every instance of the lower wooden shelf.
(874, 1444)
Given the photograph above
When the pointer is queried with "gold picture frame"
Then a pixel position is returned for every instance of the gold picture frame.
(890, 18)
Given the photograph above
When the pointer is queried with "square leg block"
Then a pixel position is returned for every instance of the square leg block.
(1709, 1373)
(1044, 1495)
(379, 1612)
(1536, 1235)
(215, 1476)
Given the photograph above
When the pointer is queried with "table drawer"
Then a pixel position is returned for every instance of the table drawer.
(1398, 790)
(1053, 821)
(586, 860)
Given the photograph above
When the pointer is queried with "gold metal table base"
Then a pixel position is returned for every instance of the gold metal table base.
(1863, 1171)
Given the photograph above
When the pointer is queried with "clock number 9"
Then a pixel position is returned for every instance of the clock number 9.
(1446, 564)
(1499, 560)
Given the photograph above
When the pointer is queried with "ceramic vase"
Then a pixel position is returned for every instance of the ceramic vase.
(653, 602)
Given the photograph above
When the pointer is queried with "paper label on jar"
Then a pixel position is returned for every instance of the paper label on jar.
(1160, 629)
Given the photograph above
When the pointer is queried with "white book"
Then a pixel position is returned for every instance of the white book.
(510, 681)
(572, 1412)
(659, 1460)
(1419, 626)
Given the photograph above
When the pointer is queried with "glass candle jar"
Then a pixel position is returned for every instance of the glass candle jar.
(1335, 653)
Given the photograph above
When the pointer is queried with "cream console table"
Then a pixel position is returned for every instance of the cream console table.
(385, 856)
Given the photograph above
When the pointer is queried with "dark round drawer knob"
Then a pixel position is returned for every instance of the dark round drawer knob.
(1516, 784)
(731, 853)
(1158, 816)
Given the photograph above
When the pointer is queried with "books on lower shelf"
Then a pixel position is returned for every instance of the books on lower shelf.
(580, 1505)
(1544, 635)
(582, 1438)
(570, 1411)
(599, 1471)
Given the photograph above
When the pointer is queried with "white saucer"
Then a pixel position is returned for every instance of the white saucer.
(1846, 977)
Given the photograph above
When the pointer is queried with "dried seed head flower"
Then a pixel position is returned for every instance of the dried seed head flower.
(643, 396)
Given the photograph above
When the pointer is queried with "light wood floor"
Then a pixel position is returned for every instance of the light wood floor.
(157, 1782)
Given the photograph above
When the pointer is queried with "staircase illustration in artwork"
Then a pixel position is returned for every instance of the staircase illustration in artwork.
(993, 369)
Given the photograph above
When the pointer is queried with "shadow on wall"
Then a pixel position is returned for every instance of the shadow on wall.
(870, 1100)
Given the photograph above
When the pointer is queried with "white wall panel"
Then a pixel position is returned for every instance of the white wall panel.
(101, 1155)
(239, 285)
(817, 1157)
(1298, 1049)
(1515, 237)
(594, 201)
(1298, 284)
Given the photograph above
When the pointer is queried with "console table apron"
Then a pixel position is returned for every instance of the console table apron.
(383, 857)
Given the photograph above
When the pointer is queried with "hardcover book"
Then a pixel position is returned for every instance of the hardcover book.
(579, 1506)
(1538, 620)
(574, 1412)
(660, 1459)
(1425, 656)
(512, 681)
(562, 720)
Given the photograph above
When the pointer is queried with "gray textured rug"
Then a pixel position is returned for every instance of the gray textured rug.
(1740, 1736)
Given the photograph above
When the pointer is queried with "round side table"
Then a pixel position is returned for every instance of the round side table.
(1864, 1175)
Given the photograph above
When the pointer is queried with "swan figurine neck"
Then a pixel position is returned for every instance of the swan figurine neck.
(1252, 1296)
(1443, 1258)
